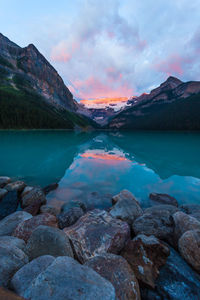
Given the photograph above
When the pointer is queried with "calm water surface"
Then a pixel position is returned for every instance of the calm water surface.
(94, 166)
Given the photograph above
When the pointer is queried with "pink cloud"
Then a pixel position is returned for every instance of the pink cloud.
(173, 64)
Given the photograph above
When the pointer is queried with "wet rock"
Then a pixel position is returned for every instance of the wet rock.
(47, 189)
(11, 260)
(26, 190)
(158, 208)
(163, 199)
(47, 240)
(189, 247)
(3, 192)
(183, 223)
(146, 254)
(176, 281)
(12, 242)
(190, 208)
(69, 217)
(34, 207)
(126, 207)
(8, 204)
(4, 180)
(67, 279)
(36, 194)
(8, 295)
(53, 210)
(8, 224)
(71, 204)
(24, 277)
(196, 216)
(115, 269)
(17, 186)
(25, 229)
(97, 232)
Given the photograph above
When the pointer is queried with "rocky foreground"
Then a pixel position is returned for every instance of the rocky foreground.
(75, 253)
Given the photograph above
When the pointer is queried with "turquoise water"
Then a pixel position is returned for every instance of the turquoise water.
(94, 166)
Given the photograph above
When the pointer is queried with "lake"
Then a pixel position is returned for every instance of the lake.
(94, 166)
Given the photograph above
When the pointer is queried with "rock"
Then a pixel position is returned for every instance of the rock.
(176, 281)
(163, 199)
(50, 188)
(3, 192)
(8, 295)
(53, 210)
(190, 208)
(17, 186)
(69, 217)
(34, 207)
(126, 207)
(26, 190)
(189, 247)
(47, 240)
(156, 221)
(196, 216)
(72, 204)
(97, 232)
(25, 229)
(24, 277)
(67, 279)
(146, 254)
(158, 209)
(8, 224)
(12, 241)
(183, 223)
(4, 180)
(8, 204)
(36, 194)
(115, 269)
(11, 260)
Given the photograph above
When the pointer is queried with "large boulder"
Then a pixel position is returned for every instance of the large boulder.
(8, 204)
(4, 180)
(47, 240)
(176, 281)
(146, 254)
(47, 208)
(26, 190)
(66, 279)
(12, 241)
(126, 207)
(97, 232)
(34, 207)
(17, 186)
(189, 247)
(24, 277)
(69, 217)
(163, 199)
(25, 229)
(8, 224)
(36, 194)
(115, 269)
(3, 192)
(8, 295)
(11, 260)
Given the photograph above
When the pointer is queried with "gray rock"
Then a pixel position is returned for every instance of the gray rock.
(26, 190)
(97, 232)
(11, 260)
(69, 217)
(17, 186)
(4, 180)
(8, 204)
(47, 240)
(35, 194)
(24, 277)
(189, 247)
(158, 208)
(12, 242)
(8, 224)
(53, 210)
(126, 207)
(65, 207)
(67, 279)
(3, 192)
(115, 269)
(190, 208)
(163, 199)
(196, 216)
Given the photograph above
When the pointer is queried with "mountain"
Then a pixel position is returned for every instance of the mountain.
(174, 105)
(32, 94)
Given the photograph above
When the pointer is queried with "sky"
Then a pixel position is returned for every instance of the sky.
(109, 48)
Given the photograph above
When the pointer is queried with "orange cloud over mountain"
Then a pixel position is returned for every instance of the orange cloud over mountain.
(103, 101)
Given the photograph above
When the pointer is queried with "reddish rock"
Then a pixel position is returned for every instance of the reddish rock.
(31, 197)
(97, 232)
(17, 186)
(25, 229)
(8, 295)
(34, 207)
(163, 199)
(27, 190)
(146, 254)
(53, 210)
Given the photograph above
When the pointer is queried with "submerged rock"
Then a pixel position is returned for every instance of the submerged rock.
(53, 210)
(8, 204)
(146, 254)
(69, 217)
(8, 295)
(72, 204)
(97, 232)
(115, 269)
(25, 229)
(12, 241)
(47, 189)
(36, 194)
(163, 199)
(65, 278)
(4, 180)
(9, 223)
(47, 240)
(123, 195)
(17, 186)
(190, 208)
(189, 247)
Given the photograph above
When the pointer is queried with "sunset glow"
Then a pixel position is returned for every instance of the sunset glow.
(103, 102)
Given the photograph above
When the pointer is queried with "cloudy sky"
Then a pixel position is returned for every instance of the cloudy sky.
(109, 48)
